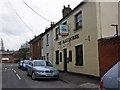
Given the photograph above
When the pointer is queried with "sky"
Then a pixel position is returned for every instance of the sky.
(18, 23)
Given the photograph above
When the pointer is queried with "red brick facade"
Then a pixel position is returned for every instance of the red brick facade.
(109, 53)
(36, 47)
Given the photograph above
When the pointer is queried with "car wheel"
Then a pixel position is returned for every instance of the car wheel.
(33, 76)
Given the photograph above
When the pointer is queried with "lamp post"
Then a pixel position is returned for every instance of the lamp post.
(116, 26)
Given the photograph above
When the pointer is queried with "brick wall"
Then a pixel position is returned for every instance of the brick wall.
(36, 49)
(109, 53)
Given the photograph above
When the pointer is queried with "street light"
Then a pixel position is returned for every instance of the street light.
(115, 25)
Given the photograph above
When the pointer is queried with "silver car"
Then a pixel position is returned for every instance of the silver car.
(42, 69)
(111, 80)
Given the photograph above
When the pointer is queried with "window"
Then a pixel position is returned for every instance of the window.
(44, 57)
(78, 20)
(57, 57)
(57, 33)
(70, 56)
(47, 56)
(79, 55)
(60, 57)
(47, 38)
(42, 42)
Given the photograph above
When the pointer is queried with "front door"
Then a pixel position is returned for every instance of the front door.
(65, 59)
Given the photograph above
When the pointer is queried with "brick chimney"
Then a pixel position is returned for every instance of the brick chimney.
(66, 10)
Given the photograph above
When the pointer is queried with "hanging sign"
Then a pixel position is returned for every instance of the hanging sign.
(63, 30)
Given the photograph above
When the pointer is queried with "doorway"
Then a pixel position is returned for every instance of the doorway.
(65, 59)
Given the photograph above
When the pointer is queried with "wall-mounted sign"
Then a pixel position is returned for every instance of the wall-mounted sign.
(69, 39)
(63, 30)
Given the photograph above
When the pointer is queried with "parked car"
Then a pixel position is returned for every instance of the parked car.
(111, 80)
(20, 64)
(25, 64)
(42, 69)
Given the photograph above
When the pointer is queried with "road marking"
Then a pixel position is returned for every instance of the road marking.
(14, 71)
(18, 77)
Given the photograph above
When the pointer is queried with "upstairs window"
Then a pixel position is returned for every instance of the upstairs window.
(47, 40)
(78, 20)
(57, 33)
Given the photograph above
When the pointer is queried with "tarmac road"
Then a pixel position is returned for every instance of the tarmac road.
(14, 78)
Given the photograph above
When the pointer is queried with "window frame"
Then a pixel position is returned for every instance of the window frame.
(77, 21)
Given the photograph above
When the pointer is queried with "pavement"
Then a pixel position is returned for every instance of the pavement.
(80, 81)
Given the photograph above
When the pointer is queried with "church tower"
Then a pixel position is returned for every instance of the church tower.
(2, 45)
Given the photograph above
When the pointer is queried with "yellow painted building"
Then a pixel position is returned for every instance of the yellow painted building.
(75, 36)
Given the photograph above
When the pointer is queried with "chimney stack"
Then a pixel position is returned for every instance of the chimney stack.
(66, 10)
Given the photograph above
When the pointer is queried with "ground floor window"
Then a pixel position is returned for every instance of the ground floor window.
(47, 56)
(79, 55)
(70, 56)
(60, 56)
(57, 57)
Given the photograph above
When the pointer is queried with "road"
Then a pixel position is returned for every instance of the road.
(12, 77)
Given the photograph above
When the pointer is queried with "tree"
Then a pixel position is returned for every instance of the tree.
(24, 51)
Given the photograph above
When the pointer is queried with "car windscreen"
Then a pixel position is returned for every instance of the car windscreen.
(39, 63)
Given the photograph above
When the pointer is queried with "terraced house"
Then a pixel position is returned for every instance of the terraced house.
(77, 42)
(76, 37)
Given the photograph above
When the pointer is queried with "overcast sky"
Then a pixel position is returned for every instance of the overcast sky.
(18, 23)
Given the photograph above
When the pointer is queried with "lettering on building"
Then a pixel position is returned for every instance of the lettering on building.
(69, 39)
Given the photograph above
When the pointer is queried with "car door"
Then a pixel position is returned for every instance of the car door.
(30, 68)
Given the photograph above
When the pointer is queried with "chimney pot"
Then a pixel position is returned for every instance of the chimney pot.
(66, 10)
(68, 6)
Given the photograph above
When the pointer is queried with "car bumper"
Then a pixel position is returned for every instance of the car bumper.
(46, 76)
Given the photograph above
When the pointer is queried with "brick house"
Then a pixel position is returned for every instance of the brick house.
(36, 47)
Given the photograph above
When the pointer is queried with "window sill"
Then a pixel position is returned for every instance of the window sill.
(79, 66)
(77, 30)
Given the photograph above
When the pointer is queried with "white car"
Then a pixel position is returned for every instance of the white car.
(111, 80)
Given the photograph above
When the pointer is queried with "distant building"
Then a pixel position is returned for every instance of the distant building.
(6, 55)
(47, 45)
(36, 47)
